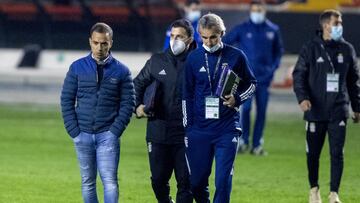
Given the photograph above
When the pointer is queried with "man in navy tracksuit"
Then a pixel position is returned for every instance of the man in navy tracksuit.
(211, 121)
(192, 13)
(97, 101)
(261, 41)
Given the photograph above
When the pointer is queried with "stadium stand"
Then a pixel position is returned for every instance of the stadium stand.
(139, 24)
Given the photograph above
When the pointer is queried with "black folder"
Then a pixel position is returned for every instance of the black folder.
(150, 98)
(230, 85)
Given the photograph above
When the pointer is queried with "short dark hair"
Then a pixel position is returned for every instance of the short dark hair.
(184, 24)
(257, 2)
(326, 16)
(101, 28)
(189, 2)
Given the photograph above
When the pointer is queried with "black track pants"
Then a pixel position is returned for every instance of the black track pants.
(164, 159)
(315, 137)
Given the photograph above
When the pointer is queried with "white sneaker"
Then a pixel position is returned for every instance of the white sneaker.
(334, 197)
(314, 196)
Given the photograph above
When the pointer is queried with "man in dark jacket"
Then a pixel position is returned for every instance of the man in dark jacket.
(97, 101)
(211, 120)
(165, 132)
(261, 41)
(326, 76)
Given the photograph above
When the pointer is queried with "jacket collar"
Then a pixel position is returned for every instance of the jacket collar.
(104, 62)
(180, 57)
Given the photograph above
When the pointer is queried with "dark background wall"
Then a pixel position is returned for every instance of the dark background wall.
(297, 28)
(144, 34)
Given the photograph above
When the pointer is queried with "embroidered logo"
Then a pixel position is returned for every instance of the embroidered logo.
(162, 72)
(114, 81)
(320, 60)
(202, 69)
(234, 140)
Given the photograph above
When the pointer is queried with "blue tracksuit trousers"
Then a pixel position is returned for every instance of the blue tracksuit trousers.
(261, 98)
(202, 147)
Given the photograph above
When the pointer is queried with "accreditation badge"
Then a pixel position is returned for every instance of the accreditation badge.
(212, 107)
(332, 82)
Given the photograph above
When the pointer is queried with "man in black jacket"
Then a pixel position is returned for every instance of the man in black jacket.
(326, 76)
(165, 132)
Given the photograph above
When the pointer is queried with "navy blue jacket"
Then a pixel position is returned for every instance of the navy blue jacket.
(197, 87)
(262, 45)
(93, 106)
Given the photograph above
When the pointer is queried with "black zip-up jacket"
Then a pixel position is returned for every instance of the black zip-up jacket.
(166, 126)
(310, 79)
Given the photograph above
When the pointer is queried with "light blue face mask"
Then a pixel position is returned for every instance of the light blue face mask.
(193, 15)
(213, 48)
(257, 17)
(336, 32)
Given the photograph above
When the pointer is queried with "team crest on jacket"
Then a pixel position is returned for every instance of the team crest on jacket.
(340, 58)
(249, 35)
(270, 35)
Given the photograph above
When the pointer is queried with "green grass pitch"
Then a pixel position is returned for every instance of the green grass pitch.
(38, 162)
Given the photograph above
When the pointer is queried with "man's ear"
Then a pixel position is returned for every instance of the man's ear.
(222, 33)
(90, 41)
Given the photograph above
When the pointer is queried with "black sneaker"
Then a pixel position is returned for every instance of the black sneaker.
(258, 151)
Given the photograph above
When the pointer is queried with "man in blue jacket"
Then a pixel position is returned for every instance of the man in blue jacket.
(191, 13)
(97, 101)
(211, 120)
(261, 41)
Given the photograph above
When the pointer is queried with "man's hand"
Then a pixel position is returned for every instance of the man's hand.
(229, 101)
(140, 113)
(305, 105)
(356, 117)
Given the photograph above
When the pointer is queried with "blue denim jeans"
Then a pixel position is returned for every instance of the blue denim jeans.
(98, 152)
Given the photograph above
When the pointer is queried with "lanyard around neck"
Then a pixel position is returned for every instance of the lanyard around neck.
(329, 58)
(215, 71)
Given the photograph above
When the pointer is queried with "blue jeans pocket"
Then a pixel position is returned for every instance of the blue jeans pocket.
(77, 139)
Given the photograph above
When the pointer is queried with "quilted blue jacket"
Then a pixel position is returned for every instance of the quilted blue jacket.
(93, 106)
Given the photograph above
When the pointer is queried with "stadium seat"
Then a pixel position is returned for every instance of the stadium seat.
(113, 14)
(159, 14)
(354, 3)
(64, 12)
(19, 11)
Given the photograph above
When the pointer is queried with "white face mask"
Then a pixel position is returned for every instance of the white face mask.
(257, 17)
(177, 46)
(213, 48)
(193, 15)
